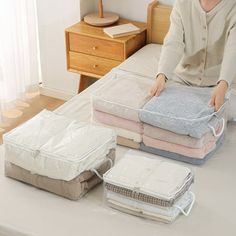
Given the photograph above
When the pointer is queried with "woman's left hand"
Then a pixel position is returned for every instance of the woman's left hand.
(218, 95)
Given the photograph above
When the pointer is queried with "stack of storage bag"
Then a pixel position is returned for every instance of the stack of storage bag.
(58, 154)
(117, 103)
(179, 124)
(149, 188)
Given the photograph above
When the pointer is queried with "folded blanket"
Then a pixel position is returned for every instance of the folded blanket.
(73, 189)
(127, 143)
(183, 110)
(121, 132)
(166, 215)
(125, 192)
(149, 187)
(123, 96)
(119, 122)
(57, 147)
(149, 177)
(171, 137)
(179, 157)
(179, 149)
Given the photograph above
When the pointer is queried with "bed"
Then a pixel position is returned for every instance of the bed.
(29, 211)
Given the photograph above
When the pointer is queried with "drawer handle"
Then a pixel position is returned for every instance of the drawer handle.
(95, 66)
(94, 48)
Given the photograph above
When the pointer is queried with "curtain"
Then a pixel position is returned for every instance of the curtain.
(19, 56)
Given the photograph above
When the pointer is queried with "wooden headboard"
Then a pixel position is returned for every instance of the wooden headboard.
(158, 22)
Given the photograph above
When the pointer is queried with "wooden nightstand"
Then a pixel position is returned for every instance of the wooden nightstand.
(92, 53)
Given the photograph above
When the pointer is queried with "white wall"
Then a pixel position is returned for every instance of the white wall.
(168, 2)
(87, 6)
(56, 15)
(53, 17)
(131, 9)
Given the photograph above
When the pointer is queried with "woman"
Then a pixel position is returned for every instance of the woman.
(200, 47)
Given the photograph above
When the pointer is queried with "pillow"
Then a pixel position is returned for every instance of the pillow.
(144, 62)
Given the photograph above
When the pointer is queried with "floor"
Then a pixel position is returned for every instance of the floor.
(36, 105)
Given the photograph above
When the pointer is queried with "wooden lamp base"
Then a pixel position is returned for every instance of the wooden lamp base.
(107, 19)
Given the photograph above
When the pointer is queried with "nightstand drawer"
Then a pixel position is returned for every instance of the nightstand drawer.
(91, 64)
(96, 47)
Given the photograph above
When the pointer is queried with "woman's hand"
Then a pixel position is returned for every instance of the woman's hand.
(158, 86)
(218, 95)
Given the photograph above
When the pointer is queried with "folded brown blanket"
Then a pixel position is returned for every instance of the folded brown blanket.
(73, 189)
(127, 142)
(149, 199)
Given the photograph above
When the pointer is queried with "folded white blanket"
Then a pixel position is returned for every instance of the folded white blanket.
(166, 214)
(149, 176)
(122, 96)
(57, 147)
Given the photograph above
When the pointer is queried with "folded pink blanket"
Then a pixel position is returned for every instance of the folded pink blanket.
(119, 122)
(179, 149)
(171, 137)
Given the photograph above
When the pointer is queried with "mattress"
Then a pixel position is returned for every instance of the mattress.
(73, 189)
(122, 96)
(58, 147)
(184, 110)
(221, 170)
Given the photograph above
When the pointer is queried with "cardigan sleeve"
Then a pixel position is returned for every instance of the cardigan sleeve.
(228, 68)
(173, 46)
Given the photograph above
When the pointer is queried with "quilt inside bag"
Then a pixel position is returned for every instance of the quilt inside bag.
(183, 110)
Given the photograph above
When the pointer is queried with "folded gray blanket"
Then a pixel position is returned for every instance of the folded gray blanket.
(183, 110)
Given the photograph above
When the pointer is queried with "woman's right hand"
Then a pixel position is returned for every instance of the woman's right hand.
(158, 86)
